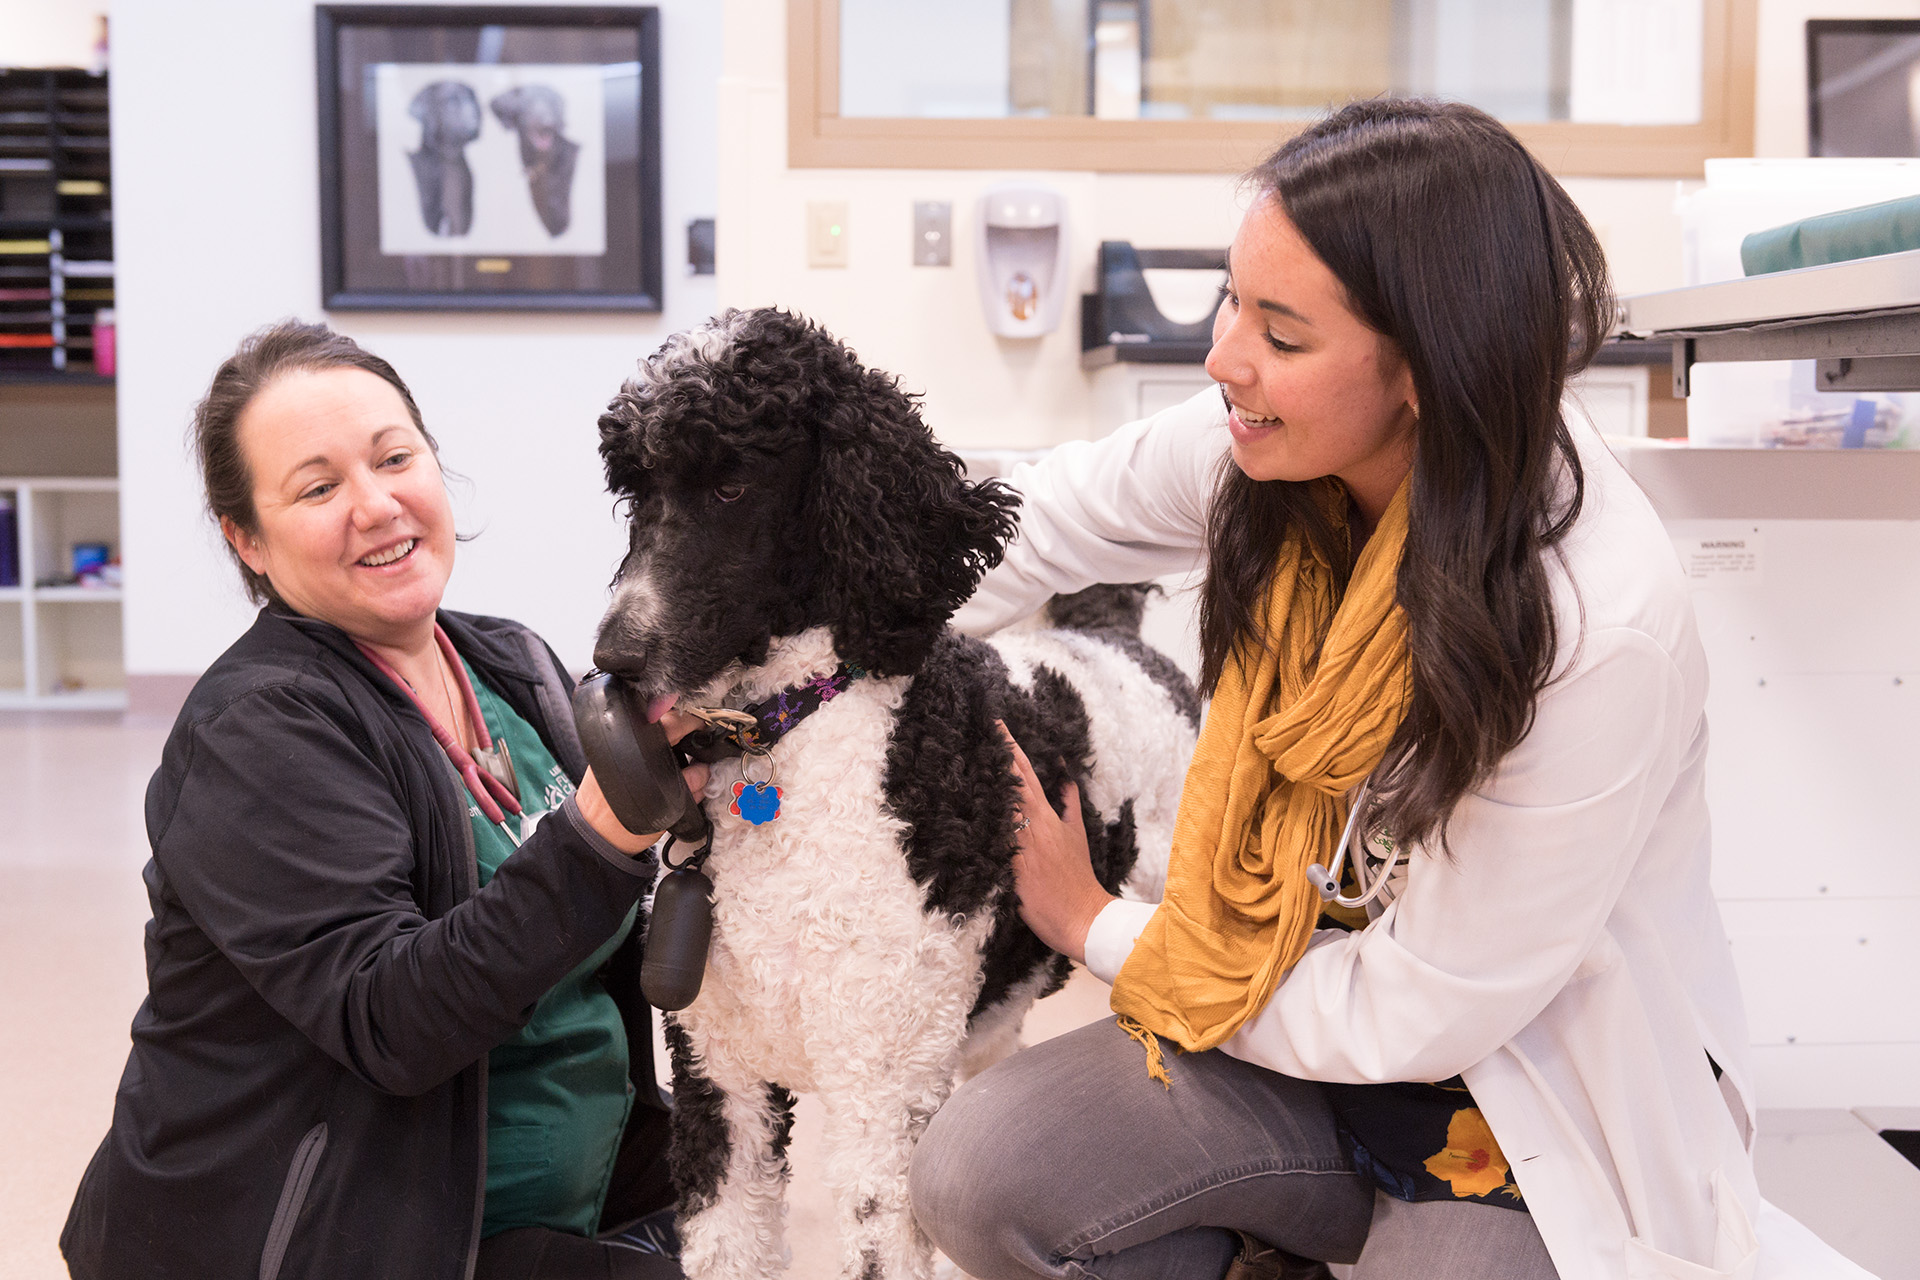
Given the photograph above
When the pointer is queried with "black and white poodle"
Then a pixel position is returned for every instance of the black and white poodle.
(795, 527)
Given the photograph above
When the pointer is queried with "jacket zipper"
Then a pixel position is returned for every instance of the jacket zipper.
(470, 878)
(293, 1196)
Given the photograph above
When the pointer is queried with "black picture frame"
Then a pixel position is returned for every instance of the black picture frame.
(1853, 115)
(379, 242)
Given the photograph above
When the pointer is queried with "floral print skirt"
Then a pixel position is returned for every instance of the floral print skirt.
(1423, 1142)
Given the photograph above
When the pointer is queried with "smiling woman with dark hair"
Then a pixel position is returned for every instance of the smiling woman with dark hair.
(393, 1025)
(1448, 645)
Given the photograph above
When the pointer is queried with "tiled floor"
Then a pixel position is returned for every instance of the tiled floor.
(71, 970)
(71, 974)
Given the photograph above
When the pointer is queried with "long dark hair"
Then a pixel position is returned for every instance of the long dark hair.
(1453, 243)
(263, 357)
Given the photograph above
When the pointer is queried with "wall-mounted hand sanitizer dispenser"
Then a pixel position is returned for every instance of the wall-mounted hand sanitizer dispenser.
(1022, 255)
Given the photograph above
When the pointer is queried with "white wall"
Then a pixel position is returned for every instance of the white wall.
(217, 204)
(48, 33)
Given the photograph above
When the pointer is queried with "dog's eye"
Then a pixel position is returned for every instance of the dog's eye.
(730, 492)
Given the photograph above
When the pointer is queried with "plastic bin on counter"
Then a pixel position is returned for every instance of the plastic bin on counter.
(1772, 404)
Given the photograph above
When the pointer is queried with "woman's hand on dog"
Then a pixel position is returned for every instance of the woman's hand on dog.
(593, 804)
(1053, 871)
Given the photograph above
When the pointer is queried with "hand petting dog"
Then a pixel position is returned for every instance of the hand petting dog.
(1053, 871)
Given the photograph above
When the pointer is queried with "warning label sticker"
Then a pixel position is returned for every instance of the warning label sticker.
(1729, 559)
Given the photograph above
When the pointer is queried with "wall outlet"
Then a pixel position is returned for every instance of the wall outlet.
(932, 233)
(827, 233)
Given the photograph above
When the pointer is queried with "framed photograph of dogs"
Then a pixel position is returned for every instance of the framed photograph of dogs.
(489, 157)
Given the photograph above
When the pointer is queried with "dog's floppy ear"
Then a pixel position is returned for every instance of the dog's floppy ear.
(621, 442)
(903, 536)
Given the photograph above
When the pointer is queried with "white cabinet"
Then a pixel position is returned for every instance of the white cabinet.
(1125, 392)
(60, 644)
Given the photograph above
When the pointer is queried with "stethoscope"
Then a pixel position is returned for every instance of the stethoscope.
(487, 770)
(1327, 880)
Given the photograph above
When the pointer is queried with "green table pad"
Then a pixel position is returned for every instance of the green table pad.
(1892, 226)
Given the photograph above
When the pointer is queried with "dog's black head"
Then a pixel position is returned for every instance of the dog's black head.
(535, 111)
(774, 484)
(449, 116)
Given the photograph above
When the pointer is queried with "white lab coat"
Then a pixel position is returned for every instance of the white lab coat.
(1569, 960)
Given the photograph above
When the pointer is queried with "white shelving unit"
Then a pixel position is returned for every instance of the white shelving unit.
(60, 646)
(1858, 321)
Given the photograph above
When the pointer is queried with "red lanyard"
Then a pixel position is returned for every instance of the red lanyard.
(487, 791)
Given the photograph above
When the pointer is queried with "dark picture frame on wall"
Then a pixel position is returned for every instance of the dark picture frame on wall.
(1859, 86)
(489, 157)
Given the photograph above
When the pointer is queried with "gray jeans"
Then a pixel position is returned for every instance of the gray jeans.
(1067, 1161)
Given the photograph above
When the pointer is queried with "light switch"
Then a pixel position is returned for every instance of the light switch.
(827, 233)
(932, 233)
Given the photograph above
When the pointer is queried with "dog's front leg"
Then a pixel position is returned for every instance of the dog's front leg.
(729, 1163)
(871, 1127)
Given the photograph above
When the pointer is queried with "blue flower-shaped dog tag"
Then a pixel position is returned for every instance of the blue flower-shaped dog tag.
(757, 802)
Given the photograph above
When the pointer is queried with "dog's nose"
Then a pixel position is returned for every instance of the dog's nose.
(623, 650)
(617, 660)
(623, 664)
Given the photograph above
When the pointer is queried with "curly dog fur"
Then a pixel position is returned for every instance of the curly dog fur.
(789, 512)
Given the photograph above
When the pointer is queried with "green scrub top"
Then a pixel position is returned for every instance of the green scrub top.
(557, 1092)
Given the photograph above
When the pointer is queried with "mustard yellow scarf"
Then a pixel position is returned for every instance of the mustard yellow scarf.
(1285, 740)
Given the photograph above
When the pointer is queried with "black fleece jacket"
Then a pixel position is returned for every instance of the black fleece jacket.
(307, 1091)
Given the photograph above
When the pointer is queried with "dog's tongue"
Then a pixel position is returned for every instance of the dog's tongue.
(660, 706)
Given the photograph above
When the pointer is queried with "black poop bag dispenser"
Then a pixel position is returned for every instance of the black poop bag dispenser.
(639, 774)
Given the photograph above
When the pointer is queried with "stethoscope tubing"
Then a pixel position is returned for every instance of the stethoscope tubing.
(1326, 880)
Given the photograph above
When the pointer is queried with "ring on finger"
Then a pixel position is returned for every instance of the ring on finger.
(1022, 825)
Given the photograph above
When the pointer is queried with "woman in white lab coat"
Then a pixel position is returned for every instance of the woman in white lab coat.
(1527, 1055)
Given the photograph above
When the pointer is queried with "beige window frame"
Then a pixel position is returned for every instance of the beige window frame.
(818, 137)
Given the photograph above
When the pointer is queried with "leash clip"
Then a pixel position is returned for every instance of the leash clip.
(692, 861)
(741, 728)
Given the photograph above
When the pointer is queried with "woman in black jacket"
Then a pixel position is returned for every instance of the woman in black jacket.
(393, 1025)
